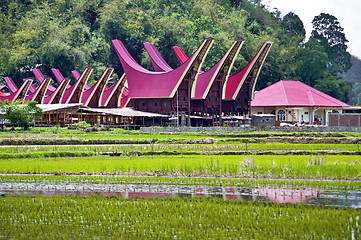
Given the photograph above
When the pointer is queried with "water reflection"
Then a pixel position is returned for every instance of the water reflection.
(308, 196)
(287, 195)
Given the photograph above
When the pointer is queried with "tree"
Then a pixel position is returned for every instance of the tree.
(292, 29)
(21, 114)
(311, 62)
(333, 87)
(329, 33)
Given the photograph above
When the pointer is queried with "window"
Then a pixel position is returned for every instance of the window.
(259, 112)
(306, 113)
(281, 115)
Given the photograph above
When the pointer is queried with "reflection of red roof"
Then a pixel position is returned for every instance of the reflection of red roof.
(294, 93)
(284, 195)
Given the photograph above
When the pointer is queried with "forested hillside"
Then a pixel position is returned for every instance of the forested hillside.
(73, 34)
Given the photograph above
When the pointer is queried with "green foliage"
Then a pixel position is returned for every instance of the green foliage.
(21, 114)
(81, 125)
(71, 35)
(328, 31)
(333, 87)
(292, 29)
(312, 62)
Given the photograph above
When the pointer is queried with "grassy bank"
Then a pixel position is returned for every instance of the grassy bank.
(199, 149)
(57, 135)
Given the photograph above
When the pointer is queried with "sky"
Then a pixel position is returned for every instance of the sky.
(348, 13)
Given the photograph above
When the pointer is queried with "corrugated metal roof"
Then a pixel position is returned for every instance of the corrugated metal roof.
(125, 112)
(54, 107)
(294, 93)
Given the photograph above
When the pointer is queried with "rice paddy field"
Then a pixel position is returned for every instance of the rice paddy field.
(71, 184)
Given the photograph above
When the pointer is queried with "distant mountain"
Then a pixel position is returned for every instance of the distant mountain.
(353, 77)
(354, 73)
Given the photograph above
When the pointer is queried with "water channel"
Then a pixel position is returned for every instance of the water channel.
(308, 196)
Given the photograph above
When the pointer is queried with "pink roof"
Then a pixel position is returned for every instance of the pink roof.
(57, 95)
(59, 77)
(20, 93)
(159, 64)
(202, 85)
(91, 96)
(11, 85)
(293, 93)
(117, 92)
(40, 92)
(75, 92)
(77, 75)
(147, 84)
(250, 72)
(40, 78)
(234, 83)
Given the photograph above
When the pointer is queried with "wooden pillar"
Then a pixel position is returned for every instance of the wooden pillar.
(220, 102)
(189, 103)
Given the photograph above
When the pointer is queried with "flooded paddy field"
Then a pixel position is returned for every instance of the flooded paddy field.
(180, 186)
(349, 198)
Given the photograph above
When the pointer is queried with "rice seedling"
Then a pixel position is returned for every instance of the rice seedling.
(274, 166)
(206, 218)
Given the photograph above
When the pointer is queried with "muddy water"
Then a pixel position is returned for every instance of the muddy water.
(335, 198)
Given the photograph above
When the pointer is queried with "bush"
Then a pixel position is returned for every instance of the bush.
(82, 125)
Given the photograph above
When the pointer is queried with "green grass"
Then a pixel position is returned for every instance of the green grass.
(265, 166)
(112, 218)
(46, 154)
(119, 134)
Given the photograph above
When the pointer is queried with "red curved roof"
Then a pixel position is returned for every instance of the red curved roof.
(76, 76)
(91, 96)
(234, 83)
(201, 87)
(40, 78)
(20, 93)
(294, 93)
(147, 84)
(158, 62)
(11, 85)
(59, 77)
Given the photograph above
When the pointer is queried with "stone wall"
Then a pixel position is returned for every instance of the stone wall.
(253, 129)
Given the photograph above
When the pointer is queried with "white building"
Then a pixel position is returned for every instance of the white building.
(295, 102)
